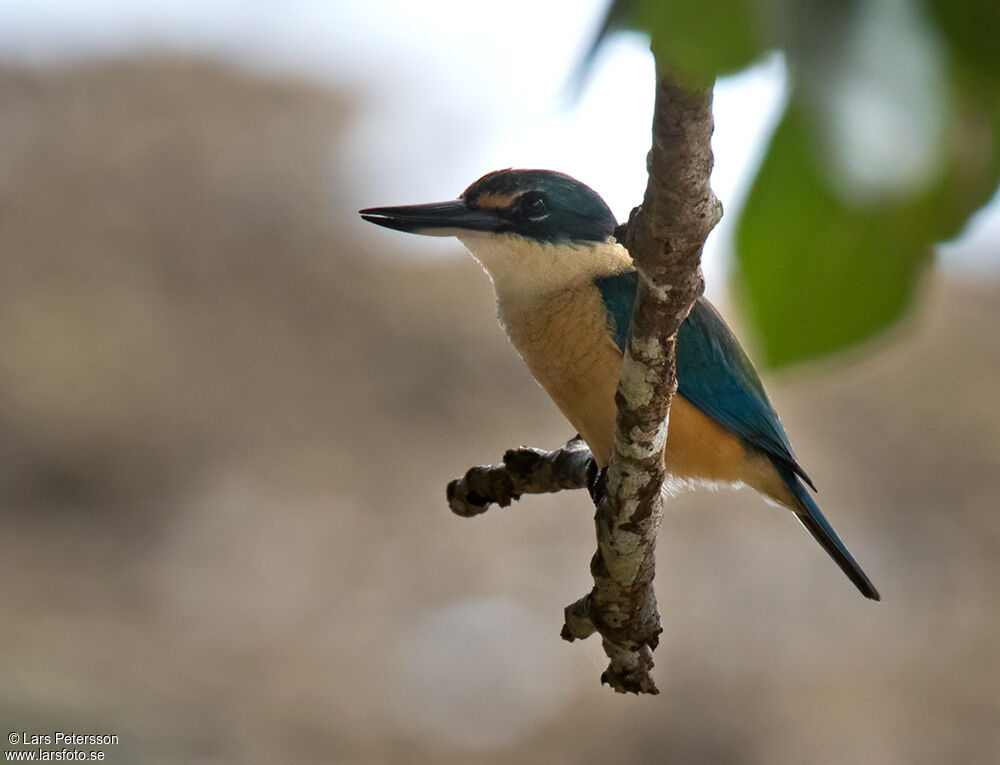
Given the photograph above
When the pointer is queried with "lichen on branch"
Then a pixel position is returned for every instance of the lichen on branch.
(665, 237)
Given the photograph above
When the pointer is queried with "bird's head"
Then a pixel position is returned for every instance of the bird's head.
(532, 230)
(541, 205)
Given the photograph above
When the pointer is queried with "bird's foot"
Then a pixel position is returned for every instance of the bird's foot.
(597, 481)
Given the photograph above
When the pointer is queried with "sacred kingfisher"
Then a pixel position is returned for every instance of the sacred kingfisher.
(565, 292)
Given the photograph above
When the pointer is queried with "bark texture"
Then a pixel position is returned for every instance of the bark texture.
(665, 236)
(523, 471)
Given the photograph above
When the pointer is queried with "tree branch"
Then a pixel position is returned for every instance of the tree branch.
(665, 237)
(523, 471)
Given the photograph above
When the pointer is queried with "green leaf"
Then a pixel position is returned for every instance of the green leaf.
(972, 28)
(693, 38)
(820, 269)
(701, 39)
(972, 169)
(890, 143)
(817, 274)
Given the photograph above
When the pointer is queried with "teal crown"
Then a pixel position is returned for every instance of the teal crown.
(542, 204)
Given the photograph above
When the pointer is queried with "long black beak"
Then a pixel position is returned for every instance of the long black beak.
(435, 219)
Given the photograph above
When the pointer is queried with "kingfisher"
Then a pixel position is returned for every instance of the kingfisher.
(565, 291)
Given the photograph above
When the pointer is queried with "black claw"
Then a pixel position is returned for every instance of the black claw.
(597, 480)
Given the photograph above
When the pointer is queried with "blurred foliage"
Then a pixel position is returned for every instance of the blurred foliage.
(889, 143)
(701, 38)
(830, 291)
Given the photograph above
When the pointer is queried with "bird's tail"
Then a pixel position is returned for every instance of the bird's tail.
(810, 516)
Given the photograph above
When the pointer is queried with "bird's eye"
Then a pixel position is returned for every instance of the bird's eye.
(533, 206)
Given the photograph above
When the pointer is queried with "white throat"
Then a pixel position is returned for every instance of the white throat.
(524, 269)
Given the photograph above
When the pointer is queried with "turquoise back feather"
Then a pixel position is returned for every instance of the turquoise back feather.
(713, 371)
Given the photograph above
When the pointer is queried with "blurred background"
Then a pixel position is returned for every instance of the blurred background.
(229, 409)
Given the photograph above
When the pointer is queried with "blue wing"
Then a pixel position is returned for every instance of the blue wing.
(713, 371)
